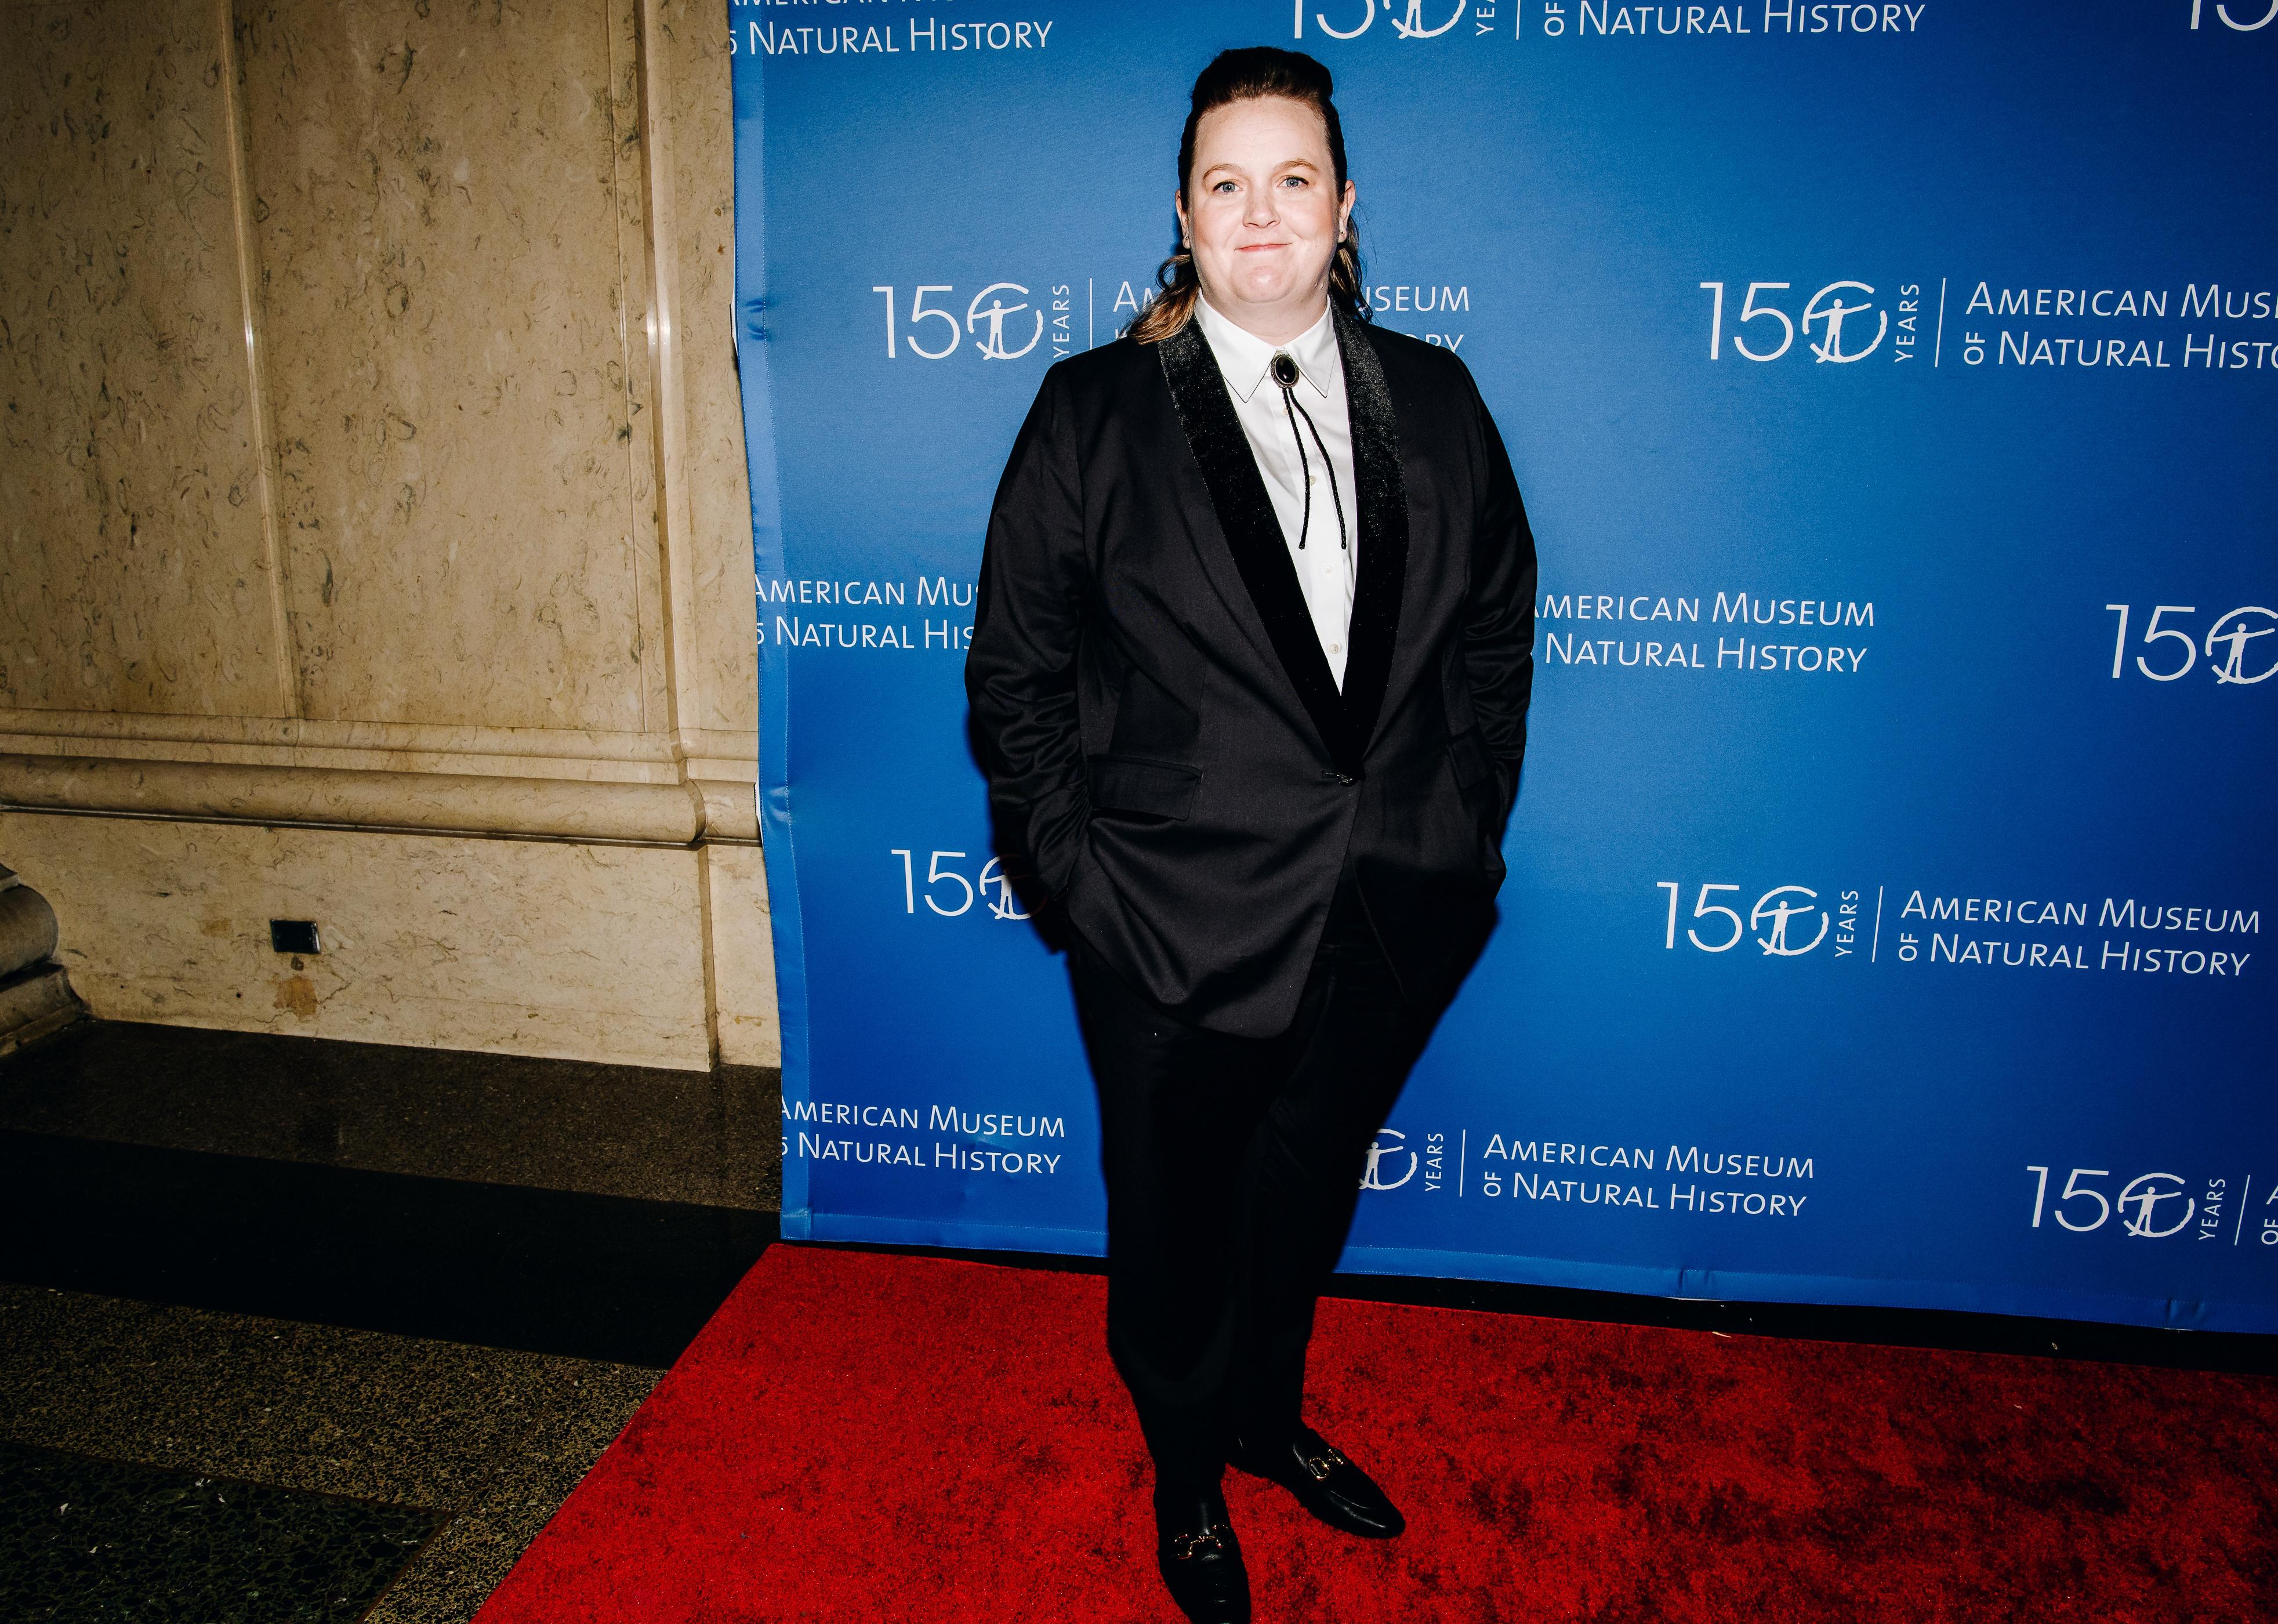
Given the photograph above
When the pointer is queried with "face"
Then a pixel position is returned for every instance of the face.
(1262, 214)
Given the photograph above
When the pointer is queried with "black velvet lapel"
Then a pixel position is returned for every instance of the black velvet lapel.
(1253, 533)
(1383, 504)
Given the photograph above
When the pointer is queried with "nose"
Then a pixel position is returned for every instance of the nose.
(1259, 209)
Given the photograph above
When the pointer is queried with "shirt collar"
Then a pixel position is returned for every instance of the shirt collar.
(1242, 357)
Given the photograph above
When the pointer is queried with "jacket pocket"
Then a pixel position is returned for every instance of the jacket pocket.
(1133, 784)
(1469, 757)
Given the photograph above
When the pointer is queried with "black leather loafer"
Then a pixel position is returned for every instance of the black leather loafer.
(1325, 1484)
(1200, 1560)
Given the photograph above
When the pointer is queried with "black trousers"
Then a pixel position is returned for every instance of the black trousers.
(1232, 1168)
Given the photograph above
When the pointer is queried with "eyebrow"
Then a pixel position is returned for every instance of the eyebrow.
(1288, 163)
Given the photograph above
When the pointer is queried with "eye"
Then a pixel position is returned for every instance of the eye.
(1222, 185)
(1293, 181)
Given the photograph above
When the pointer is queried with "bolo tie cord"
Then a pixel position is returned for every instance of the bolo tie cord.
(1283, 364)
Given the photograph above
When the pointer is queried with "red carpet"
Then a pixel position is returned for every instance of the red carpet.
(859, 1436)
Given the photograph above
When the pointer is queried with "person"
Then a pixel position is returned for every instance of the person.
(1249, 676)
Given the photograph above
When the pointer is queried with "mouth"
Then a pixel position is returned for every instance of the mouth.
(1260, 247)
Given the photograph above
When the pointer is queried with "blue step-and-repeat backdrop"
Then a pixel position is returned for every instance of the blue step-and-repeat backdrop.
(1892, 388)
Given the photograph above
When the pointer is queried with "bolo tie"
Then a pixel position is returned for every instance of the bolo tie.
(1284, 371)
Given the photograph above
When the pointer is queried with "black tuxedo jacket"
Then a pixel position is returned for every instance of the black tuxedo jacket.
(1162, 735)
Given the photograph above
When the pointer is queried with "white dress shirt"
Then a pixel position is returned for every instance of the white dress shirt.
(1325, 568)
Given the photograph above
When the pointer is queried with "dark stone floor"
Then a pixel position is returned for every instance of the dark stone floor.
(92, 1540)
(606, 1277)
(709, 1138)
(360, 1282)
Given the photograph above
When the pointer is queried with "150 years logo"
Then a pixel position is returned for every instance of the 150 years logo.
(2151, 1205)
(960, 893)
(1833, 325)
(1409, 24)
(1786, 922)
(2143, 1193)
(2168, 653)
(1384, 1154)
(2223, 11)
(999, 318)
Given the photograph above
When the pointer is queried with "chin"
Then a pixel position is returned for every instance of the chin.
(1266, 289)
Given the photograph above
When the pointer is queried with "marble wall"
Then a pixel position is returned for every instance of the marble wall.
(509, 946)
(450, 283)
(369, 441)
(702, 180)
(136, 575)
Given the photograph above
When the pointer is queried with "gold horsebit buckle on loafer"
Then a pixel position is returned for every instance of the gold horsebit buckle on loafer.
(1184, 1546)
(1321, 1465)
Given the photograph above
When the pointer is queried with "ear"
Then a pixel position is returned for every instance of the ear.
(1186, 231)
(1345, 209)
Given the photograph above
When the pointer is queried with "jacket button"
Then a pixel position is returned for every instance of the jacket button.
(1333, 776)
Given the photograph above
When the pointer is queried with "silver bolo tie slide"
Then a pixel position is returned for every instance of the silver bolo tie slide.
(1284, 371)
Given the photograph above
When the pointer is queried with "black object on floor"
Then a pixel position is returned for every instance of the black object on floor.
(652, 1134)
(550, 1271)
(83, 1540)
